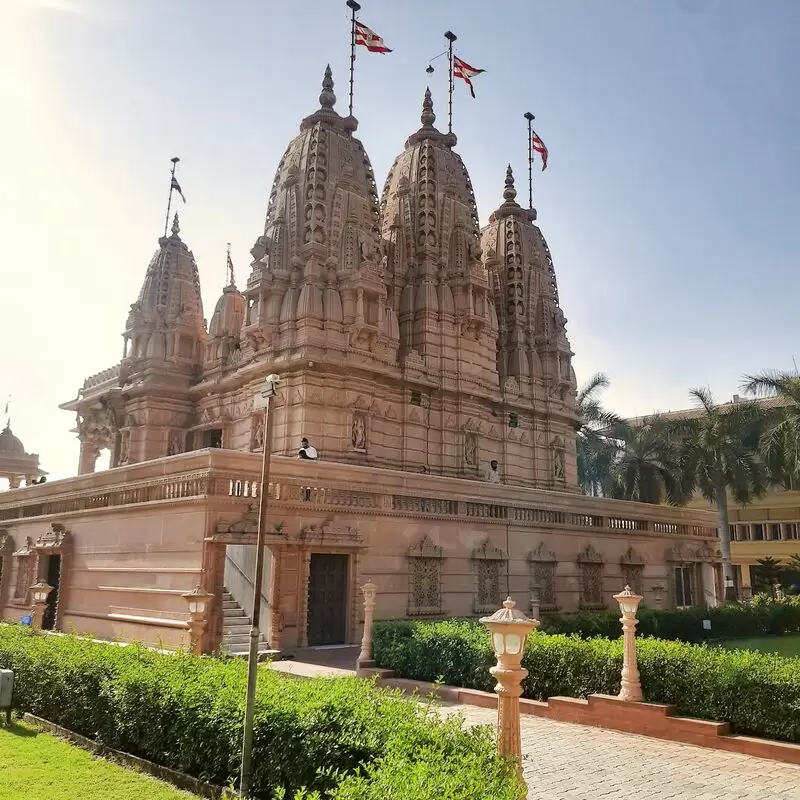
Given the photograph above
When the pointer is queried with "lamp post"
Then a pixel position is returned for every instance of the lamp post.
(365, 656)
(198, 601)
(631, 689)
(39, 593)
(509, 628)
(270, 390)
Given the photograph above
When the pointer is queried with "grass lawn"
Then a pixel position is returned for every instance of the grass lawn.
(38, 766)
(783, 645)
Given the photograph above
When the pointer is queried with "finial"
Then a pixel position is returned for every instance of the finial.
(176, 228)
(428, 117)
(327, 98)
(509, 193)
(229, 268)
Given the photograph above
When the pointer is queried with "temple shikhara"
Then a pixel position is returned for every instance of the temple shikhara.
(414, 348)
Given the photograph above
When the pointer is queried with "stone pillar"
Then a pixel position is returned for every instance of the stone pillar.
(365, 656)
(88, 456)
(709, 585)
(275, 611)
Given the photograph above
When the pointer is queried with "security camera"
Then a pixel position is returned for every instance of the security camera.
(275, 379)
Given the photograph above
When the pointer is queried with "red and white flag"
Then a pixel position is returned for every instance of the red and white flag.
(541, 149)
(369, 39)
(464, 71)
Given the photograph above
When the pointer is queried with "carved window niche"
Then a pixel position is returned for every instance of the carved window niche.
(358, 432)
(559, 462)
(632, 566)
(470, 450)
(425, 579)
(590, 563)
(257, 433)
(25, 558)
(543, 577)
(488, 562)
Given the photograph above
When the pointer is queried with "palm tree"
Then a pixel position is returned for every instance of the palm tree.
(720, 456)
(780, 444)
(596, 450)
(648, 464)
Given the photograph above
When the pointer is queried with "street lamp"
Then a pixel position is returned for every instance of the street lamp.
(509, 628)
(370, 590)
(631, 688)
(198, 601)
(39, 593)
(270, 390)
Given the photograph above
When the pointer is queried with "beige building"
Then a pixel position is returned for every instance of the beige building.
(414, 348)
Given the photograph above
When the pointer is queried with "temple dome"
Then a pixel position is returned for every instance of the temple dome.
(171, 289)
(324, 194)
(442, 216)
(10, 444)
(228, 313)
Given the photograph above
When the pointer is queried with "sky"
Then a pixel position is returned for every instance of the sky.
(670, 202)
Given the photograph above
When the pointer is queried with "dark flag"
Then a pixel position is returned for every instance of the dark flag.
(177, 187)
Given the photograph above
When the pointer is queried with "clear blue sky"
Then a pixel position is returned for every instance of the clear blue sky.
(670, 203)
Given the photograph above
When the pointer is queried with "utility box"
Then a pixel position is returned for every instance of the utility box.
(6, 692)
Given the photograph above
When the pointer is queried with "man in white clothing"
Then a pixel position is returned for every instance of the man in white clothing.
(492, 475)
(307, 451)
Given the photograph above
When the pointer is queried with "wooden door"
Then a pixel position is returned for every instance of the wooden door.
(327, 599)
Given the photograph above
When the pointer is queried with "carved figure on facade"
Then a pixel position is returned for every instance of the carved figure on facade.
(258, 432)
(559, 467)
(470, 450)
(175, 443)
(359, 431)
(124, 448)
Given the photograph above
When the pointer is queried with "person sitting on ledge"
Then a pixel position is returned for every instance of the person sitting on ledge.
(492, 475)
(307, 451)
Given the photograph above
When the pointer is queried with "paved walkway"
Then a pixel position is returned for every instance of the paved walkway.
(563, 761)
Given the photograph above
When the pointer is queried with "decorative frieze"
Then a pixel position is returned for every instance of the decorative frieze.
(424, 578)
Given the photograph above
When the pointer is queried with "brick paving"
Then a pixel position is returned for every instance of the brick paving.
(562, 761)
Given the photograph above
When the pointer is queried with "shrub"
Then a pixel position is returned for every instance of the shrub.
(338, 738)
(758, 694)
(730, 621)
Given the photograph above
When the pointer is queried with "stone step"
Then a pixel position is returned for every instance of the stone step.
(233, 612)
(232, 630)
(235, 638)
(230, 604)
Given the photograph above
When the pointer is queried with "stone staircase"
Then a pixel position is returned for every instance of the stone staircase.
(236, 628)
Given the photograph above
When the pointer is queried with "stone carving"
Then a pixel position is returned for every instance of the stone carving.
(124, 448)
(592, 584)
(175, 443)
(543, 583)
(632, 575)
(57, 539)
(487, 592)
(98, 424)
(258, 433)
(424, 577)
(559, 469)
(470, 450)
(359, 431)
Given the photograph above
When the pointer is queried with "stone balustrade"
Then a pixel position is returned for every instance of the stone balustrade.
(234, 476)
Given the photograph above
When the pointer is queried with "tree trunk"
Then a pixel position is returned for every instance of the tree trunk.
(725, 541)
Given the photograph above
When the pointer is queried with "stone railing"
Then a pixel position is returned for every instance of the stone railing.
(101, 377)
(233, 477)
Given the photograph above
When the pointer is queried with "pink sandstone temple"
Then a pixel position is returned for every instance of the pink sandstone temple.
(414, 348)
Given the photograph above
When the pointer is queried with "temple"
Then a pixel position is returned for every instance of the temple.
(414, 349)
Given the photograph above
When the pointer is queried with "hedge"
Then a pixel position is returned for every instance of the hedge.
(758, 694)
(321, 738)
(731, 621)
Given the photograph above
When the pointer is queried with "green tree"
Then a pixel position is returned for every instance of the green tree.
(769, 570)
(780, 443)
(720, 457)
(648, 466)
(596, 450)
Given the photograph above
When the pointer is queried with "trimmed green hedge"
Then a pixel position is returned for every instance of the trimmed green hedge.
(339, 738)
(731, 621)
(757, 694)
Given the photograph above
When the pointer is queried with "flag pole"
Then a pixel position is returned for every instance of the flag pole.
(528, 116)
(355, 7)
(175, 161)
(451, 37)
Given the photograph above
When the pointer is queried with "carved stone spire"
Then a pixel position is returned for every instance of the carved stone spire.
(176, 228)
(327, 98)
(428, 117)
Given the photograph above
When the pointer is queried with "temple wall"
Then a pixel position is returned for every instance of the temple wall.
(140, 536)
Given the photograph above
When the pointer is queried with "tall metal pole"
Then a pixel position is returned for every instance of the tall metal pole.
(252, 659)
(355, 7)
(175, 161)
(451, 37)
(528, 116)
